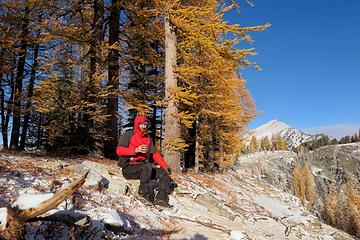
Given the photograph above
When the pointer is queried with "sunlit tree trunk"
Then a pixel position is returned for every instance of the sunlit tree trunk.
(198, 153)
(172, 126)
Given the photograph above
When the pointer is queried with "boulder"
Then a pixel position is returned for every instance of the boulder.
(118, 186)
(89, 165)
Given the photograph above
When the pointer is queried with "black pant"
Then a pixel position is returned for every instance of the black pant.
(146, 172)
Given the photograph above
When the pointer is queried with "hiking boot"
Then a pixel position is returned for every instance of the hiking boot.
(171, 188)
(162, 203)
(147, 196)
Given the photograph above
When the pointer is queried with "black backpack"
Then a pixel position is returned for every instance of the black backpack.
(124, 141)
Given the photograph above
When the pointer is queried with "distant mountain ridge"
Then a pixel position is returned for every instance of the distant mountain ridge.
(293, 136)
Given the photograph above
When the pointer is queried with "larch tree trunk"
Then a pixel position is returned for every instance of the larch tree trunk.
(153, 133)
(113, 82)
(39, 131)
(91, 87)
(14, 142)
(198, 153)
(29, 97)
(172, 126)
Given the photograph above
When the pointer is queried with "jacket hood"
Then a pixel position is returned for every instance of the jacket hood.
(137, 122)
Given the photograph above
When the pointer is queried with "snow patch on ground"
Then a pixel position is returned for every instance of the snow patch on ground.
(26, 201)
(3, 218)
(111, 217)
(237, 235)
(279, 210)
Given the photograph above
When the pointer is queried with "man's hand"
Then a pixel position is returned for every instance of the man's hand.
(141, 149)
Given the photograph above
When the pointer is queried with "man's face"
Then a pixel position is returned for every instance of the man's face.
(143, 127)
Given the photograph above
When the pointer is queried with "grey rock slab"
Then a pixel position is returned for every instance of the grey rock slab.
(118, 186)
(89, 165)
(95, 179)
(214, 205)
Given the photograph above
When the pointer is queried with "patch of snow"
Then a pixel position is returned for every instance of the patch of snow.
(3, 181)
(237, 235)
(28, 178)
(3, 218)
(279, 210)
(316, 171)
(111, 217)
(26, 201)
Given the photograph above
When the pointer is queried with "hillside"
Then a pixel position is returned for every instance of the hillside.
(233, 205)
(331, 167)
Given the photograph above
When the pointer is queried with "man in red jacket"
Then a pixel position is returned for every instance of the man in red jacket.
(135, 150)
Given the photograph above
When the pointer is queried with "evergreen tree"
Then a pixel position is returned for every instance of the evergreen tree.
(208, 72)
(344, 140)
(253, 145)
(267, 144)
(113, 81)
(334, 141)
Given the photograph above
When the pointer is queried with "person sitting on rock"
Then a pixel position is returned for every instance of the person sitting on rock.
(137, 150)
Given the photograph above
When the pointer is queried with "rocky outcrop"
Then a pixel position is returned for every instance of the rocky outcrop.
(330, 165)
(338, 163)
(275, 167)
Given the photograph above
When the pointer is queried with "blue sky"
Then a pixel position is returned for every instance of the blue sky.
(311, 63)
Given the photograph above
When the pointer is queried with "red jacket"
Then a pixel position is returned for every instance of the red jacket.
(132, 139)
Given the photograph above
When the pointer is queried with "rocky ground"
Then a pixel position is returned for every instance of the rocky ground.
(233, 205)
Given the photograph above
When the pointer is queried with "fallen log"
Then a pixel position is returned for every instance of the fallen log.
(17, 218)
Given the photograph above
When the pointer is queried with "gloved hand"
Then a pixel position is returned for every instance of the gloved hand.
(168, 170)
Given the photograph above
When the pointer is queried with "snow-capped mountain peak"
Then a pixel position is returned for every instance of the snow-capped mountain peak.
(293, 136)
(270, 128)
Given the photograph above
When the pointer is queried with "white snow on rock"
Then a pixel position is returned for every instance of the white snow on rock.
(3, 218)
(279, 210)
(111, 217)
(26, 201)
